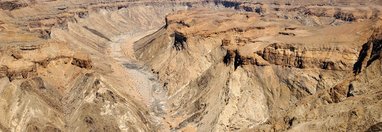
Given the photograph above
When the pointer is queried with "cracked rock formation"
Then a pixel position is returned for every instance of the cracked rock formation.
(190, 65)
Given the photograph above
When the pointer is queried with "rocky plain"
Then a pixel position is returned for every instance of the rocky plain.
(190, 65)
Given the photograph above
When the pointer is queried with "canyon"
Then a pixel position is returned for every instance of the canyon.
(190, 65)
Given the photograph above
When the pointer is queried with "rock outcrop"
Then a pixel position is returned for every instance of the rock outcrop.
(190, 65)
(294, 75)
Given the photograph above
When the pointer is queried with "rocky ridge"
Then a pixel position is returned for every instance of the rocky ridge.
(190, 66)
(247, 71)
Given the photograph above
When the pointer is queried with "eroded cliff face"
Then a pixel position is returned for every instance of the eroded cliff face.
(50, 87)
(190, 65)
(230, 71)
(63, 67)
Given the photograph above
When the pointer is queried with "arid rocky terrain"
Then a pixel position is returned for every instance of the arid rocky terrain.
(190, 65)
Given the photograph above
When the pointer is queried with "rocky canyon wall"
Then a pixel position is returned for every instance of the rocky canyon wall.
(141, 65)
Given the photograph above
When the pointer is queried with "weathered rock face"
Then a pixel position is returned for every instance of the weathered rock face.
(251, 71)
(291, 56)
(72, 81)
(10, 5)
(90, 65)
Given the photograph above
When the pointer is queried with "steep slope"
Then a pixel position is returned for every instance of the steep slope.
(190, 65)
(240, 71)
(70, 65)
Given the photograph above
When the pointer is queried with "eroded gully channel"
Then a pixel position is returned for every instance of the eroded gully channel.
(147, 84)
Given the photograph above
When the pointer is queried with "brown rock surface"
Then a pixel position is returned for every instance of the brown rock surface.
(190, 65)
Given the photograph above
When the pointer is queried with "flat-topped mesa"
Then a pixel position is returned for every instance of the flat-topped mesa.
(231, 65)
(293, 56)
(298, 57)
(24, 61)
(43, 22)
(297, 53)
